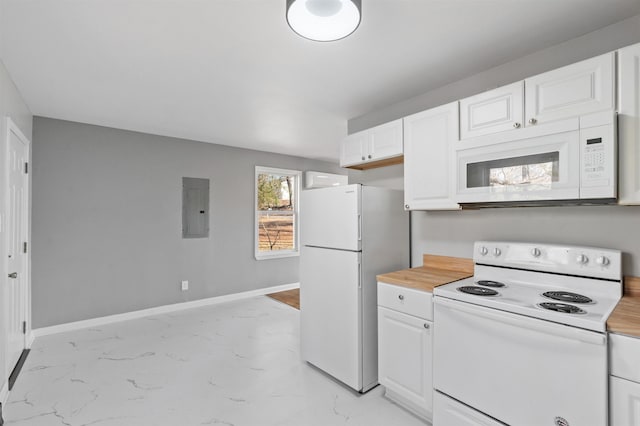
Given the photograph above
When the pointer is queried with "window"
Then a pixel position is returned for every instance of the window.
(276, 201)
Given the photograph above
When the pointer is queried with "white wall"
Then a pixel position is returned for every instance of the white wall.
(453, 233)
(11, 105)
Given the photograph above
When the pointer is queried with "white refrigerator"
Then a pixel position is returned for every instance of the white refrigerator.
(349, 234)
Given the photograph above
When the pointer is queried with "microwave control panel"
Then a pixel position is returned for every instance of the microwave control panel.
(598, 162)
(594, 156)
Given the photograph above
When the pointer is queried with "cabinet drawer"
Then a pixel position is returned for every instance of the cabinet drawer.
(407, 300)
(625, 353)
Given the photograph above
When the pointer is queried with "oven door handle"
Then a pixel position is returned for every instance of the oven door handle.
(520, 321)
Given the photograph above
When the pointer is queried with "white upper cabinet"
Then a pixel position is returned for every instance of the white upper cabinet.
(353, 149)
(429, 178)
(369, 148)
(629, 125)
(493, 111)
(577, 89)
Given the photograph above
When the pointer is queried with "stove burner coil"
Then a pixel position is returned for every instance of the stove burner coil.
(566, 296)
(478, 291)
(562, 307)
(489, 283)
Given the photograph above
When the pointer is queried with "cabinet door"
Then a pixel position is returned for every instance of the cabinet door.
(429, 177)
(385, 141)
(624, 398)
(581, 88)
(404, 357)
(493, 111)
(629, 124)
(353, 148)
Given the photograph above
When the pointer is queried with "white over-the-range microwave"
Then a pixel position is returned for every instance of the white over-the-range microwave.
(567, 161)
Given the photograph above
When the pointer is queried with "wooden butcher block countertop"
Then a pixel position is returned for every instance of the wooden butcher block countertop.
(435, 271)
(625, 318)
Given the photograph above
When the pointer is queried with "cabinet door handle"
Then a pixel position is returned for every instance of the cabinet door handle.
(516, 125)
(369, 156)
(532, 120)
(363, 157)
(401, 297)
(426, 326)
(13, 275)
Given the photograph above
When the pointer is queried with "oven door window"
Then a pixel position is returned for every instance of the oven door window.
(536, 172)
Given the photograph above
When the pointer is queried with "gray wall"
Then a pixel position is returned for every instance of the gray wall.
(11, 105)
(107, 221)
(453, 233)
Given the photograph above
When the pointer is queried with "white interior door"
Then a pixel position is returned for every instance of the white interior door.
(17, 237)
(330, 312)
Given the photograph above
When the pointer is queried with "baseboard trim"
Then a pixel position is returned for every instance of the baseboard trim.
(30, 338)
(95, 322)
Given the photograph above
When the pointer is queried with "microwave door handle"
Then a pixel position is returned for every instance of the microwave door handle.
(516, 320)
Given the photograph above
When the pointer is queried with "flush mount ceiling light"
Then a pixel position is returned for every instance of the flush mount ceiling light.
(324, 20)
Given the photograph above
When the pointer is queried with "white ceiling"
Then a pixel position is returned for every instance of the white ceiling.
(232, 72)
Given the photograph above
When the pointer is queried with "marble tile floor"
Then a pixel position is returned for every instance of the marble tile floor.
(233, 364)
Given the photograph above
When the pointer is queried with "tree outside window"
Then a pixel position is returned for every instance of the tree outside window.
(276, 230)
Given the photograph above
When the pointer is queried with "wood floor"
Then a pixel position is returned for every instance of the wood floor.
(289, 297)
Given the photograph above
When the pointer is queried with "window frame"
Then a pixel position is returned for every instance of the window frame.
(277, 254)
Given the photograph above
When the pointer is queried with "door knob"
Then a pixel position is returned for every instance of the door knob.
(13, 275)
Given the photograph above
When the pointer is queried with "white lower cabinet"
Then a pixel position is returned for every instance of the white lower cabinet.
(624, 396)
(405, 348)
(624, 382)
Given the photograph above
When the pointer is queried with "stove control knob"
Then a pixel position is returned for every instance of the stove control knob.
(497, 252)
(582, 259)
(535, 252)
(484, 251)
(603, 261)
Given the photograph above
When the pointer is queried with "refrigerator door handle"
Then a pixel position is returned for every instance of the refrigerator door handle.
(359, 227)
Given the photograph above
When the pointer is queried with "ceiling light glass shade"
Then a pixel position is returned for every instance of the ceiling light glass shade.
(323, 20)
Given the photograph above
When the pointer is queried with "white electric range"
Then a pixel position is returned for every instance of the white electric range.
(523, 342)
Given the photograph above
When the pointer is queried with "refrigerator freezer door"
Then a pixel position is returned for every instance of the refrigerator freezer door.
(330, 307)
(330, 217)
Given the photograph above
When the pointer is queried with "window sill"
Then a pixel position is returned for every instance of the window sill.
(267, 256)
